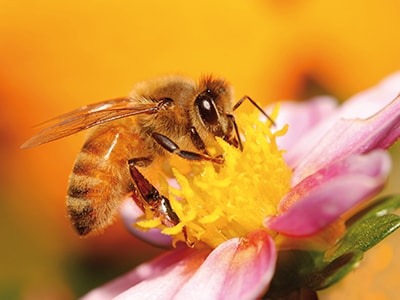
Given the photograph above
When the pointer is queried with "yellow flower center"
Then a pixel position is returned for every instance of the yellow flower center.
(218, 202)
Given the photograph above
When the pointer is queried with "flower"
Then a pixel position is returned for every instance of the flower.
(264, 205)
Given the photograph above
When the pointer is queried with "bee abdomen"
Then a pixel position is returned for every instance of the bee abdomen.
(81, 215)
(81, 195)
(78, 192)
(98, 183)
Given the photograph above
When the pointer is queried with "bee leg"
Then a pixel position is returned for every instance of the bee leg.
(170, 146)
(150, 197)
(146, 195)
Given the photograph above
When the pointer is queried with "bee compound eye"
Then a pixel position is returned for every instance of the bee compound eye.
(207, 109)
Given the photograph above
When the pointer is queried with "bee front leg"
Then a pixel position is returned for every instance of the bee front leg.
(170, 146)
(146, 195)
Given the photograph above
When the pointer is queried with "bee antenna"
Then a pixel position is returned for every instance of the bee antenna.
(241, 100)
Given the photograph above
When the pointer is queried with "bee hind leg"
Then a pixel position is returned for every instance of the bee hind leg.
(146, 195)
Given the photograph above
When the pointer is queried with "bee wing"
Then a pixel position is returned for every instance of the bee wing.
(88, 116)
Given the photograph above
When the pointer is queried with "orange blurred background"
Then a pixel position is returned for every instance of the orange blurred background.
(59, 55)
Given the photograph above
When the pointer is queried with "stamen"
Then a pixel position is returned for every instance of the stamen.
(216, 203)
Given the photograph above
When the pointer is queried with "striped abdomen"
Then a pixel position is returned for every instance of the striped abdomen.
(100, 178)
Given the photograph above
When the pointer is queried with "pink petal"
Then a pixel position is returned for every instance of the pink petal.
(130, 213)
(302, 117)
(363, 105)
(366, 103)
(376, 163)
(237, 269)
(323, 197)
(251, 280)
(349, 137)
(157, 279)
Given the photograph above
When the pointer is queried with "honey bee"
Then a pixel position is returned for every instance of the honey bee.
(167, 116)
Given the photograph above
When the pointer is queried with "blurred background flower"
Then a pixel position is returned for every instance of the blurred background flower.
(56, 56)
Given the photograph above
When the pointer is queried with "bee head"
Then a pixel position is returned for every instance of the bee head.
(214, 108)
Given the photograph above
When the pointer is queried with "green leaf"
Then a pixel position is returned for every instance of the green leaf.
(297, 270)
(333, 271)
(370, 226)
(380, 207)
(366, 233)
